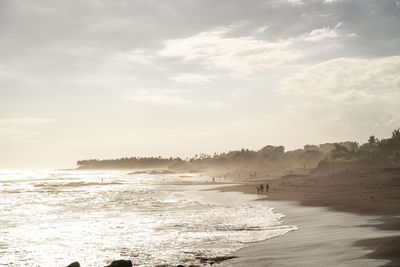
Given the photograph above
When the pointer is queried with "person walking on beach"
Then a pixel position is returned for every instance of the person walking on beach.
(258, 190)
(266, 188)
(261, 188)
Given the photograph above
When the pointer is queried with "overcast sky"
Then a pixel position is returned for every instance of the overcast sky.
(106, 79)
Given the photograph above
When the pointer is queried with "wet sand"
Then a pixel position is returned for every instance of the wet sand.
(324, 238)
(367, 196)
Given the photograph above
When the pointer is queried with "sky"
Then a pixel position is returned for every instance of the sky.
(109, 79)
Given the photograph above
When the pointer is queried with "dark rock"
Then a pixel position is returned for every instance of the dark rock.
(214, 260)
(120, 263)
(74, 264)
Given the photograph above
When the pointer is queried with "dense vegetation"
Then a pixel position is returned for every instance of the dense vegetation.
(385, 152)
(128, 163)
(374, 153)
(269, 157)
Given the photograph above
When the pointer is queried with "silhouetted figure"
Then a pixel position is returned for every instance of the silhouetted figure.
(267, 188)
(258, 190)
(213, 179)
(262, 188)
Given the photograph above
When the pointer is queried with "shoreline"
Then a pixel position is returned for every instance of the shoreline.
(372, 193)
(324, 237)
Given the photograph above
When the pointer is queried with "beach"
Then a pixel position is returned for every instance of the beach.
(332, 208)
(340, 219)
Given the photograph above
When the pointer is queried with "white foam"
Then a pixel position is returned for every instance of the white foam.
(47, 221)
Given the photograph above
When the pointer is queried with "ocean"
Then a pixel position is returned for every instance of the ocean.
(53, 218)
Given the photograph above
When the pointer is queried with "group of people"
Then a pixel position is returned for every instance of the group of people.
(260, 189)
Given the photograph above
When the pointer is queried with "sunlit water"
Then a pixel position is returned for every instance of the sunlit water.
(52, 218)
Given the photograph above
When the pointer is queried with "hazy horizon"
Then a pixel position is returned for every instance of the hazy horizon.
(110, 79)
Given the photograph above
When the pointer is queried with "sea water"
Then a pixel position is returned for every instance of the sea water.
(52, 218)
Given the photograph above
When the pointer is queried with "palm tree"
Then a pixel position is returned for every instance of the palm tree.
(372, 140)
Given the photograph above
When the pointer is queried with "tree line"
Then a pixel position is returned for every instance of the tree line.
(375, 152)
(382, 151)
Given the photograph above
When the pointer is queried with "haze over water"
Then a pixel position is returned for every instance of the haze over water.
(51, 218)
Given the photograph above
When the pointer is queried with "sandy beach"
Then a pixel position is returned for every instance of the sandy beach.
(324, 238)
(333, 210)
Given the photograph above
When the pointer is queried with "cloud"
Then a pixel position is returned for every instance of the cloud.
(157, 99)
(352, 35)
(191, 78)
(260, 30)
(322, 120)
(97, 51)
(344, 97)
(347, 77)
(216, 104)
(338, 25)
(236, 54)
(296, 2)
(134, 56)
(25, 121)
(22, 128)
(12, 132)
(332, 1)
(322, 33)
